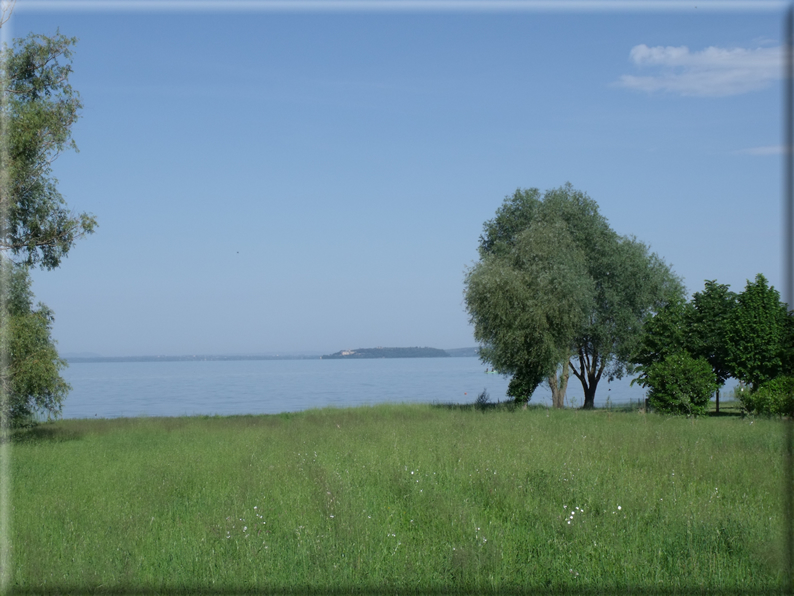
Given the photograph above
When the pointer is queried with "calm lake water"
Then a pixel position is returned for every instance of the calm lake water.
(118, 389)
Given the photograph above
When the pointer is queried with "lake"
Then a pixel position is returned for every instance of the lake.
(122, 389)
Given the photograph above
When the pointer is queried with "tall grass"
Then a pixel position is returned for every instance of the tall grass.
(401, 498)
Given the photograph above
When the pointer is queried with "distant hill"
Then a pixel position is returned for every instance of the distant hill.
(464, 352)
(71, 355)
(387, 353)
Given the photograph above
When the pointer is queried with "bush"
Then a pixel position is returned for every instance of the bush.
(775, 397)
(680, 384)
(483, 399)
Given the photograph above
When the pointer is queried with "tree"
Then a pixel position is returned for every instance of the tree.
(787, 353)
(666, 333)
(632, 283)
(526, 300)
(36, 228)
(35, 386)
(39, 111)
(755, 338)
(709, 322)
(749, 336)
(697, 328)
(590, 318)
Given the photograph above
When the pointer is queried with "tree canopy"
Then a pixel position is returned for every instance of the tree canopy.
(709, 320)
(40, 109)
(667, 332)
(698, 327)
(556, 286)
(756, 335)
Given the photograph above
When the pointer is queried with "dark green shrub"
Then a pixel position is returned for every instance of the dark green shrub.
(775, 397)
(483, 400)
(680, 384)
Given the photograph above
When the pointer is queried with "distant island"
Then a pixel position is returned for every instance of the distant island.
(387, 353)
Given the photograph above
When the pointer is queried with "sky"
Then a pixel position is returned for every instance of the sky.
(309, 181)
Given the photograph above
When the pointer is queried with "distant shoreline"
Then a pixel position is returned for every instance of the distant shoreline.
(205, 358)
(456, 352)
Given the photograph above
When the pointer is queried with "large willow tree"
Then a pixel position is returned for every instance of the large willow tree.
(557, 291)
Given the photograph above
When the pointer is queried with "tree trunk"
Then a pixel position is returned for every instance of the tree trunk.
(558, 388)
(589, 395)
(589, 374)
(718, 400)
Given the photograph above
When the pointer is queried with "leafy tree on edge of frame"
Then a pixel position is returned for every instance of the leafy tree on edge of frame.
(758, 335)
(38, 111)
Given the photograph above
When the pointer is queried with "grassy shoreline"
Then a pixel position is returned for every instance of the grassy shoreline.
(400, 498)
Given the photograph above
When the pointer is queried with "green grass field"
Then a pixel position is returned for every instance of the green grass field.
(399, 498)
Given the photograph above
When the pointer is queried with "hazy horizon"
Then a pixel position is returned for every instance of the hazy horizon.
(231, 354)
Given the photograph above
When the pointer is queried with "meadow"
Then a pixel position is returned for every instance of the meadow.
(400, 499)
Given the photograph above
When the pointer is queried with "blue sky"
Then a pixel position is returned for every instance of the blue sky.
(270, 182)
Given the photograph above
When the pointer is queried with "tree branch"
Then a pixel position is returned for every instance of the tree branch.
(601, 369)
(5, 11)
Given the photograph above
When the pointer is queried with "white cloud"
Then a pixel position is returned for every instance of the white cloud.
(768, 150)
(713, 72)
